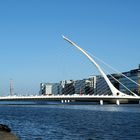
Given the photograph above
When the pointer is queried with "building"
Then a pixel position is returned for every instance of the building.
(85, 86)
(80, 86)
(101, 86)
(49, 88)
(67, 87)
(103, 89)
(135, 76)
(94, 85)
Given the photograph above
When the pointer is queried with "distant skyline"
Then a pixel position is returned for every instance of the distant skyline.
(32, 49)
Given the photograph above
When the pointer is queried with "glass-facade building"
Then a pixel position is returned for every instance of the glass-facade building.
(101, 86)
(49, 89)
(135, 76)
(94, 85)
(67, 87)
(85, 86)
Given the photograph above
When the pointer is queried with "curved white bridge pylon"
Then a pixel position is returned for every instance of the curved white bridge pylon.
(115, 92)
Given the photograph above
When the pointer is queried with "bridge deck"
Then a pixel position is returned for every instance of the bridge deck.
(68, 97)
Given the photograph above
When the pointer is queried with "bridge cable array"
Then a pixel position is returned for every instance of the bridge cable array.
(118, 73)
(114, 69)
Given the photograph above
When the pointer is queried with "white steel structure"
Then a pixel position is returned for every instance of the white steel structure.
(115, 92)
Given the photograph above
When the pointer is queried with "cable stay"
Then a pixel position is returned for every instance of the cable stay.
(123, 85)
(115, 91)
(118, 73)
(115, 69)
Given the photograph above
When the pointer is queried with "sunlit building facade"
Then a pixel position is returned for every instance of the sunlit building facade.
(49, 89)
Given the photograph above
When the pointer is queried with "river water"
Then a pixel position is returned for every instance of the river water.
(73, 122)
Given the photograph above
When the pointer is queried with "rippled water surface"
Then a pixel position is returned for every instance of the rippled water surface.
(73, 122)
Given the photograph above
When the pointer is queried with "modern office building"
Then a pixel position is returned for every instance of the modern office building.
(49, 88)
(82, 86)
(101, 86)
(94, 85)
(135, 76)
(85, 86)
(67, 87)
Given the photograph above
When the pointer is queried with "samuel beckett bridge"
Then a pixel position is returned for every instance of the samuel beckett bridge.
(116, 95)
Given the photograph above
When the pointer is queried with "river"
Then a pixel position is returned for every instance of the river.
(72, 122)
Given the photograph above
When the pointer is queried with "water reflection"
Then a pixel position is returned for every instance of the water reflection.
(110, 108)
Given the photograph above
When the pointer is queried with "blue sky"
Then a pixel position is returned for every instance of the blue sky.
(33, 51)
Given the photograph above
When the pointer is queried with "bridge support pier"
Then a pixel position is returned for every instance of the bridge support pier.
(139, 101)
(117, 102)
(62, 101)
(101, 102)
